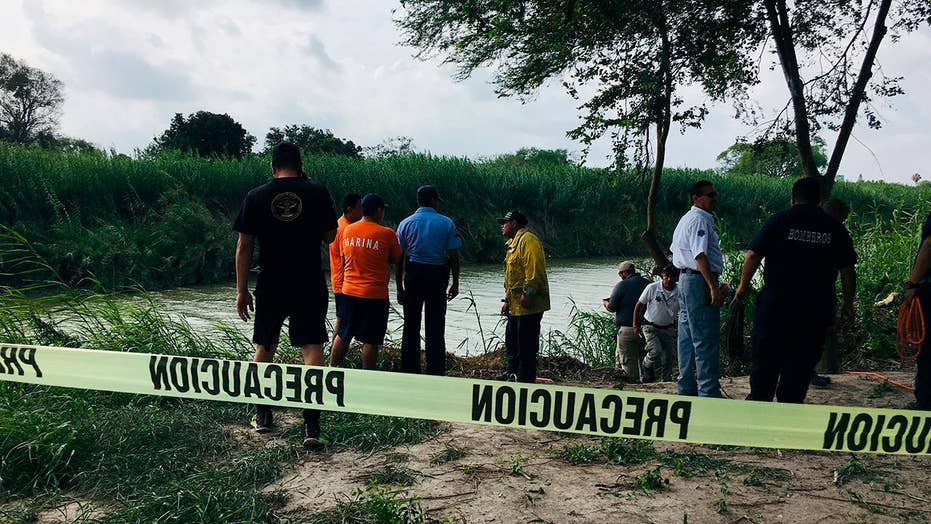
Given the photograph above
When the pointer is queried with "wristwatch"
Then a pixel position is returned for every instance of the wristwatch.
(910, 285)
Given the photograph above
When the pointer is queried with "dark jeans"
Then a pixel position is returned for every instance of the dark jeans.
(784, 354)
(521, 345)
(424, 292)
(923, 367)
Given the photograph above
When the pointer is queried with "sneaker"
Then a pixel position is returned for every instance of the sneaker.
(647, 375)
(262, 420)
(507, 377)
(311, 434)
(820, 381)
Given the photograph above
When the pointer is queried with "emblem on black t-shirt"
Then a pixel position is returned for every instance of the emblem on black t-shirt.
(287, 206)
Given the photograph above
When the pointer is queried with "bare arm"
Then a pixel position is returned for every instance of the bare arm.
(454, 268)
(705, 268)
(921, 267)
(848, 286)
(399, 278)
(329, 236)
(752, 261)
(245, 246)
(639, 309)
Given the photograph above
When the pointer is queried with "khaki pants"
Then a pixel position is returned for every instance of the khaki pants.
(660, 350)
(629, 352)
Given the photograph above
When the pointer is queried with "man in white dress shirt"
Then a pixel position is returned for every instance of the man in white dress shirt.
(697, 253)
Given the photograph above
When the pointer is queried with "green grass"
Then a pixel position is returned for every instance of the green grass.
(622, 451)
(375, 505)
(393, 474)
(449, 453)
(651, 480)
(165, 221)
(141, 458)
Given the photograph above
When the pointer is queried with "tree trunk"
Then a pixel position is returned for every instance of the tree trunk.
(664, 109)
(856, 97)
(785, 47)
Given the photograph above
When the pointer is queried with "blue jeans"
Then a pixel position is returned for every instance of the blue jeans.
(699, 339)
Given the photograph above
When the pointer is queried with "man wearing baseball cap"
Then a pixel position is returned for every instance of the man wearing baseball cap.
(622, 302)
(431, 246)
(290, 217)
(526, 297)
(367, 250)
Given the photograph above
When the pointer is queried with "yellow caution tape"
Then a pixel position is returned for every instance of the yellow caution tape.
(589, 411)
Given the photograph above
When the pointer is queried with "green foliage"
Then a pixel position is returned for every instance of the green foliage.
(205, 134)
(855, 469)
(777, 158)
(635, 54)
(30, 100)
(614, 450)
(651, 480)
(589, 338)
(150, 459)
(627, 451)
(48, 140)
(375, 505)
(166, 221)
(449, 453)
(312, 141)
(394, 146)
(533, 157)
(392, 474)
(579, 453)
(372, 432)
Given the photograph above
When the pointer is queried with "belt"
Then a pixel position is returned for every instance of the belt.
(657, 326)
(690, 271)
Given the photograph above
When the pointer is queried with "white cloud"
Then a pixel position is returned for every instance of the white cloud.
(129, 66)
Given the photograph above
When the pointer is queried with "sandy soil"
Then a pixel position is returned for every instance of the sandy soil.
(514, 476)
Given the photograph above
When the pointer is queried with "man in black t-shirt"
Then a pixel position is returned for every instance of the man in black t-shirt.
(290, 217)
(918, 287)
(804, 249)
(629, 353)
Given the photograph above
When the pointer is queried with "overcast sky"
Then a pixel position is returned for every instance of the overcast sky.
(128, 66)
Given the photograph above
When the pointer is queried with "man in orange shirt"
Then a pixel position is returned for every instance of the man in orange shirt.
(368, 249)
(352, 212)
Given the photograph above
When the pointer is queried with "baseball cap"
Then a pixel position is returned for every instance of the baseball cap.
(428, 192)
(372, 202)
(626, 265)
(513, 215)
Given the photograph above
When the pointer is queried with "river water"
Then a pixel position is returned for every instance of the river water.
(469, 328)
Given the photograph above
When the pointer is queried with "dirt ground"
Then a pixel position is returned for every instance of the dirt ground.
(509, 475)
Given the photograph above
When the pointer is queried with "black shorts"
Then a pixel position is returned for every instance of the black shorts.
(306, 314)
(340, 300)
(366, 320)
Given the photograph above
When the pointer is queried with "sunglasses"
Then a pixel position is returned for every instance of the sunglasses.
(711, 194)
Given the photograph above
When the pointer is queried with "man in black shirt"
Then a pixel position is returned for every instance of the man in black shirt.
(623, 299)
(804, 249)
(290, 217)
(918, 287)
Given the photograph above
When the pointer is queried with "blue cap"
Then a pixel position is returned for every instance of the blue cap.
(371, 203)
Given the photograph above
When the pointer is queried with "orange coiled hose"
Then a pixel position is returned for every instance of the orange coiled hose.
(910, 330)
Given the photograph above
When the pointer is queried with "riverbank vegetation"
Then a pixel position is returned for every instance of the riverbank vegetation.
(115, 222)
(113, 457)
(165, 221)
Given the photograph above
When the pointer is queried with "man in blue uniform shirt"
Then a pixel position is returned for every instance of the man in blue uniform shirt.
(696, 251)
(431, 252)
(804, 250)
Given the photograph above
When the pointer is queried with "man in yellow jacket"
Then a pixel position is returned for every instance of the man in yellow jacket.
(526, 297)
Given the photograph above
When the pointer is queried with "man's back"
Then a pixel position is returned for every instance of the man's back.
(624, 297)
(803, 250)
(288, 216)
(368, 250)
(525, 266)
(428, 235)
